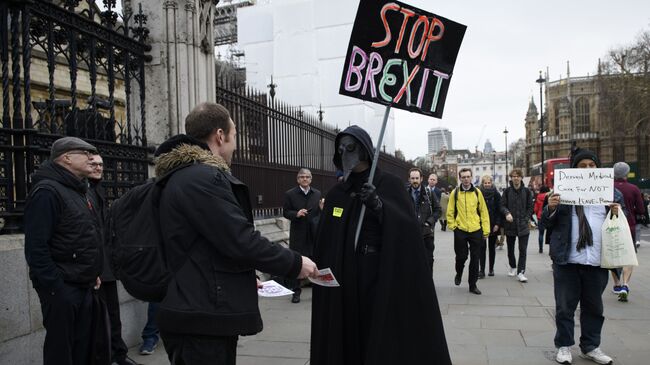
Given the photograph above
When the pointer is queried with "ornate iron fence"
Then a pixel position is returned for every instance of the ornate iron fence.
(275, 139)
(75, 71)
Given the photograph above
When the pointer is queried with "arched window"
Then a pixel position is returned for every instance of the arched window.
(582, 115)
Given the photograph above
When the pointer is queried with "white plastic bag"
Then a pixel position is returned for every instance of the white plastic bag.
(617, 248)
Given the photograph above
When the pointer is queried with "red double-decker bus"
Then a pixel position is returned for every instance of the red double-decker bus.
(550, 166)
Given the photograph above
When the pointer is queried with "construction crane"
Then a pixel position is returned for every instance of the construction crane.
(480, 137)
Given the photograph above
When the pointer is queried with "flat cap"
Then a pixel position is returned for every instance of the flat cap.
(65, 144)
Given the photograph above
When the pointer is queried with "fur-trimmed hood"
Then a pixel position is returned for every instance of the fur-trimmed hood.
(187, 153)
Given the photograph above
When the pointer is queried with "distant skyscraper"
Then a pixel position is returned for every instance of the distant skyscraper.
(439, 137)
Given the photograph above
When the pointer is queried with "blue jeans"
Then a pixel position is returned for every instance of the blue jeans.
(150, 330)
(573, 283)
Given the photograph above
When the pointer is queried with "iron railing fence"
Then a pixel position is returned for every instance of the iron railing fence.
(69, 69)
(275, 139)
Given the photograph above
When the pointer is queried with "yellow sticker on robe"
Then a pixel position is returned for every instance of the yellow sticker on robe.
(337, 212)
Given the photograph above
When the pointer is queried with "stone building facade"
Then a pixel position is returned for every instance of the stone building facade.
(579, 109)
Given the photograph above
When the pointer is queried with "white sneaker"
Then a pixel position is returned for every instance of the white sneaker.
(521, 277)
(564, 355)
(512, 272)
(597, 356)
(638, 244)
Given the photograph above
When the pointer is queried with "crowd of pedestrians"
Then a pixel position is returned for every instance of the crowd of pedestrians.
(377, 236)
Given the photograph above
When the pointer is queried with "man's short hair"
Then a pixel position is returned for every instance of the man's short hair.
(205, 118)
(465, 169)
(415, 169)
(303, 171)
(516, 172)
(436, 175)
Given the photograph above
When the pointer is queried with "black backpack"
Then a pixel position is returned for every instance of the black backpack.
(138, 259)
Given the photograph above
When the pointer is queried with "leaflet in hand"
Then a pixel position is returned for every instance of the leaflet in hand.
(272, 289)
(325, 278)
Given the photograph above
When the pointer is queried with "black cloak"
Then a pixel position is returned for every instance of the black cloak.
(400, 304)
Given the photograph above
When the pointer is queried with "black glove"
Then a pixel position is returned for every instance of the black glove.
(368, 196)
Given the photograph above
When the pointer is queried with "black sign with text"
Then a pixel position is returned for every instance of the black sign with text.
(402, 56)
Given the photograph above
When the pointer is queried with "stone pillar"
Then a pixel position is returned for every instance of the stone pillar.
(182, 73)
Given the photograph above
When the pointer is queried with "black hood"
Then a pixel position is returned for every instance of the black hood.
(52, 171)
(359, 134)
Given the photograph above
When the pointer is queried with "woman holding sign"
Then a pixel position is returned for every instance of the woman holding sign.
(577, 275)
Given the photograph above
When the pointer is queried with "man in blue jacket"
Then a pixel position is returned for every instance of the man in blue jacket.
(577, 275)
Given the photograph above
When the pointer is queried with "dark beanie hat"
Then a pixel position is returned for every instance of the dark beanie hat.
(584, 154)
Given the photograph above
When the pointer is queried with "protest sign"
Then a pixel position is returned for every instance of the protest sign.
(401, 55)
(325, 278)
(585, 186)
(272, 289)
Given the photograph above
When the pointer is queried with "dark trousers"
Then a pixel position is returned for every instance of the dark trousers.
(67, 318)
(294, 285)
(491, 245)
(464, 243)
(523, 246)
(150, 330)
(200, 350)
(108, 292)
(540, 229)
(573, 283)
(429, 247)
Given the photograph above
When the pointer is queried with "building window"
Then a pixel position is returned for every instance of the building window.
(582, 115)
(556, 120)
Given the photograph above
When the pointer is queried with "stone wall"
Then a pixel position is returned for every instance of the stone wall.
(21, 327)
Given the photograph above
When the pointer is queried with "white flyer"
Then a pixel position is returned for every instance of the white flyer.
(325, 278)
(272, 289)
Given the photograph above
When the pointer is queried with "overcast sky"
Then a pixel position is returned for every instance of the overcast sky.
(505, 46)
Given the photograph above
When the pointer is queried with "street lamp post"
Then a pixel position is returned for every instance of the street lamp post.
(505, 133)
(540, 81)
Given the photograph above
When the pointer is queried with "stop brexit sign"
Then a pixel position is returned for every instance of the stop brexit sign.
(401, 56)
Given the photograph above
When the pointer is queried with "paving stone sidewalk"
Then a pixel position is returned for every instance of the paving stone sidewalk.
(511, 323)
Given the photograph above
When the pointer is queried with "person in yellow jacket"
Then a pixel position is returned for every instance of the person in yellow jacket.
(468, 217)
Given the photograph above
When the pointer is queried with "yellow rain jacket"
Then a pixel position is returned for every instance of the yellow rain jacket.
(469, 217)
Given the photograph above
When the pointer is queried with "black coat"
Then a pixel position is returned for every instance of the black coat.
(98, 195)
(427, 210)
(212, 248)
(390, 291)
(493, 203)
(303, 230)
(519, 203)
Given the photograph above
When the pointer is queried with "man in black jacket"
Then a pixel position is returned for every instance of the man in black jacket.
(301, 207)
(63, 248)
(108, 290)
(517, 208)
(427, 210)
(211, 244)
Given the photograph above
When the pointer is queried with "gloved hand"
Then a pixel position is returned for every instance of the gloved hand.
(368, 196)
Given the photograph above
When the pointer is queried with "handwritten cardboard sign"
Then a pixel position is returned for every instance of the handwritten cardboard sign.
(401, 55)
(585, 186)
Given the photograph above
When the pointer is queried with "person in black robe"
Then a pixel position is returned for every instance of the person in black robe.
(386, 309)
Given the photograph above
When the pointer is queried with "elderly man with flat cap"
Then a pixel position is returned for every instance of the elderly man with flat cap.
(63, 249)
